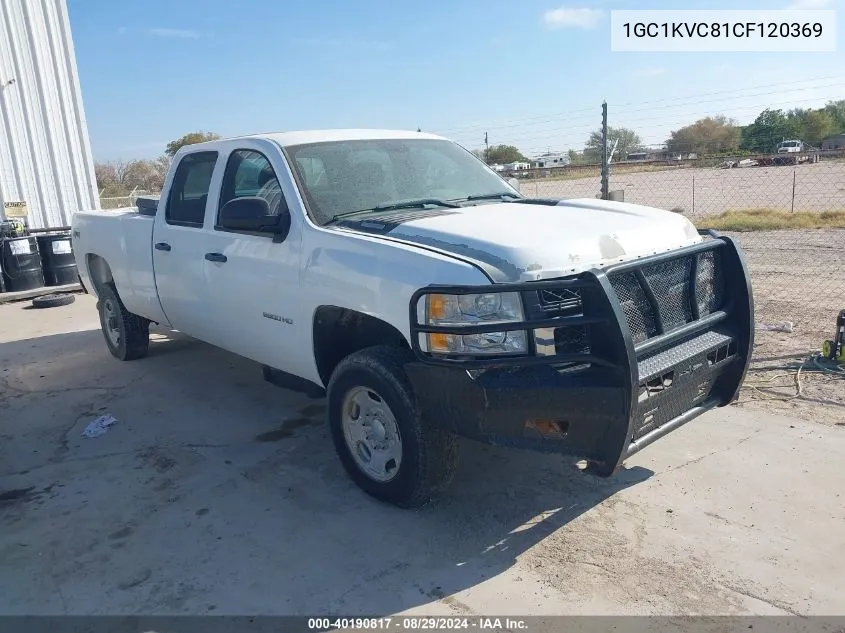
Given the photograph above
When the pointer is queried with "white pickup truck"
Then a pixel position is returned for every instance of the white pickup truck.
(399, 276)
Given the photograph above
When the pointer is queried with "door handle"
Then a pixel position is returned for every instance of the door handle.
(162, 246)
(215, 257)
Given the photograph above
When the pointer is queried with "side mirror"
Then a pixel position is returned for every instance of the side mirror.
(253, 214)
(514, 182)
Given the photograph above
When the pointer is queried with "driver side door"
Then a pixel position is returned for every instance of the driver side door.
(252, 281)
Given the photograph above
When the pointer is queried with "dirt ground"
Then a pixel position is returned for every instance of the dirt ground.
(700, 191)
(216, 492)
(798, 277)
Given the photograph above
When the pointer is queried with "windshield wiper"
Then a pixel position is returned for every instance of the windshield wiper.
(402, 204)
(492, 196)
(418, 202)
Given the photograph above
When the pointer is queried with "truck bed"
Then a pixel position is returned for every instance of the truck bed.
(123, 237)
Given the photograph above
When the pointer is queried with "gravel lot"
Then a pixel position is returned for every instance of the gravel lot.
(818, 187)
(218, 493)
(798, 276)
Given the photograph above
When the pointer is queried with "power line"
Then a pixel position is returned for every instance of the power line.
(685, 100)
(543, 133)
(618, 115)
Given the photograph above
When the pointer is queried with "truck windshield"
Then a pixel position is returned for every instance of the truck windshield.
(340, 177)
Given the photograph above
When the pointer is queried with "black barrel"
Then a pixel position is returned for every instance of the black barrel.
(57, 259)
(21, 263)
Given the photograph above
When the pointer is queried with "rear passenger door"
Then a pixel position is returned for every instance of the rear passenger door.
(179, 244)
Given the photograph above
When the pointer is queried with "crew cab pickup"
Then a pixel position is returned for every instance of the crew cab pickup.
(404, 280)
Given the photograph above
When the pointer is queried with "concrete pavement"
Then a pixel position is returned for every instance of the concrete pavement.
(218, 493)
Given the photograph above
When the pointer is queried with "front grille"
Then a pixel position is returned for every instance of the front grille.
(638, 311)
(670, 284)
(710, 283)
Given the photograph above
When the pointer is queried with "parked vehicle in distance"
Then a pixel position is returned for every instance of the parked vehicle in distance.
(791, 152)
(399, 276)
(794, 146)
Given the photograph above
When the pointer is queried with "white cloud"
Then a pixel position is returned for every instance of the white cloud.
(801, 5)
(579, 18)
(183, 33)
(646, 73)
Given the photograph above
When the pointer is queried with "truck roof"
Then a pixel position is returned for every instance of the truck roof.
(323, 136)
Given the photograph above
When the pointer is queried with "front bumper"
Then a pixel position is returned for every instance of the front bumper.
(647, 346)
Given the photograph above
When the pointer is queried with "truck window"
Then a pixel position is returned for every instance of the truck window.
(341, 176)
(249, 173)
(189, 191)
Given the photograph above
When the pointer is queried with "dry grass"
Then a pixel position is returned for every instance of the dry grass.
(773, 219)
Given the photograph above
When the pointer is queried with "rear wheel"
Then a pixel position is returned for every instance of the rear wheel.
(379, 432)
(127, 335)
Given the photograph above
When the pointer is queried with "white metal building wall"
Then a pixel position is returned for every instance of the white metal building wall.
(45, 153)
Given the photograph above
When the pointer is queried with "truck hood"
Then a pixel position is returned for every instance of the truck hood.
(528, 242)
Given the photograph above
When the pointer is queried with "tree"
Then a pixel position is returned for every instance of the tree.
(106, 175)
(578, 158)
(501, 154)
(707, 135)
(836, 110)
(148, 175)
(160, 166)
(628, 141)
(817, 125)
(189, 139)
(141, 174)
(769, 128)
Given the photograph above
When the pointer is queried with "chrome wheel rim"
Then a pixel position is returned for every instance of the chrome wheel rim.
(371, 434)
(110, 317)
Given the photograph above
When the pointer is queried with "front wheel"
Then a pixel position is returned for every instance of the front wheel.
(127, 335)
(379, 432)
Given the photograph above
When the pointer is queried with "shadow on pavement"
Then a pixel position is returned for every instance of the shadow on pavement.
(216, 490)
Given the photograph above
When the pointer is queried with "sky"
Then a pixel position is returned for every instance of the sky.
(528, 72)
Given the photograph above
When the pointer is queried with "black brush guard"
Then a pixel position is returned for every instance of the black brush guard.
(618, 357)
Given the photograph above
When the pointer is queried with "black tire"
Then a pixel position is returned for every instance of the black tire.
(133, 331)
(53, 301)
(429, 455)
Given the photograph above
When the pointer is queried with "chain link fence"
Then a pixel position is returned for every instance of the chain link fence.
(120, 202)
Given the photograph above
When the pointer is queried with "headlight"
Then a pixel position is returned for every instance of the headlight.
(465, 310)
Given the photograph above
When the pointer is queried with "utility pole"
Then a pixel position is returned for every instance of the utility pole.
(605, 163)
(486, 149)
